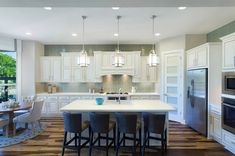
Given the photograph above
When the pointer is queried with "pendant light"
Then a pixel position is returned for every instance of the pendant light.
(118, 57)
(153, 59)
(83, 59)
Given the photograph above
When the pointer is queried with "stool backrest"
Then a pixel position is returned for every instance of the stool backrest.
(156, 123)
(72, 122)
(99, 122)
(126, 122)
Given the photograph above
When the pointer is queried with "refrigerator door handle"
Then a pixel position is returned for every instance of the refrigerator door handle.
(188, 93)
(192, 96)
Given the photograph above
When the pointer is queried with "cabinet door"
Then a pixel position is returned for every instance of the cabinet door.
(52, 108)
(45, 69)
(144, 69)
(201, 58)
(107, 59)
(191, 58)
(77, 74)
(152, 74)
(129, 60)
(56, 69)
(228, 55)
(217, 127)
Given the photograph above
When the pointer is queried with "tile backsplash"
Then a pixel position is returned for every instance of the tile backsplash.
(110, 83)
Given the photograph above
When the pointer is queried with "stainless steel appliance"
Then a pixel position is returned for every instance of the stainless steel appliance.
(196, 107)
(229, 83)
(228, 114)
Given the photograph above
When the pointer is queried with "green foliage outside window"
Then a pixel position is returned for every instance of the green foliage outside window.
(7, 66)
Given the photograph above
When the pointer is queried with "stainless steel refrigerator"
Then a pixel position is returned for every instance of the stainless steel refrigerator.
(196, 106)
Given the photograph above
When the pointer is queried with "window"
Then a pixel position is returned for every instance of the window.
(7, 76)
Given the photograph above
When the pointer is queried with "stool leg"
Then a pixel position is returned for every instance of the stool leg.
(114, 137)
(107, 144)
(140, 139)
(148, 139)
(99, 139)
(124, 140)
(76, 141)
(134, 145)
(162, 143)
(118, 143)
(91, 143)
(64, 143)
(166, 140)
(79, 143)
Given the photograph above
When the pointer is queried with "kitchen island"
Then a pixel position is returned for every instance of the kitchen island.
(130, 106)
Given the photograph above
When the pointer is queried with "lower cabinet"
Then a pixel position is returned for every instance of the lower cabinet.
(228, 140)
(215, 126)
(53, 103)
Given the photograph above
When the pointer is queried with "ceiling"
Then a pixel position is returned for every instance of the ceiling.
(57, 25)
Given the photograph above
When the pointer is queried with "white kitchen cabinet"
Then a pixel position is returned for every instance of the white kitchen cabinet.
(50, 69)
(198, 57)
(147, 73)
(228, 48)
(215, 124)
(72, 72)
(228, 140)
(104, 63)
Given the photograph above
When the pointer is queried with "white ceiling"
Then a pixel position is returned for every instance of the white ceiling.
(57, 25)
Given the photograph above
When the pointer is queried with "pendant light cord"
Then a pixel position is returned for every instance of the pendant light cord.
(153, 31)
(118, 17)
(83, 32)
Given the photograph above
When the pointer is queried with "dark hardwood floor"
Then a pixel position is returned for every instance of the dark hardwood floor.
(183, 142)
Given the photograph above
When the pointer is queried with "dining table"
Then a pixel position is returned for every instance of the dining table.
(5, 110)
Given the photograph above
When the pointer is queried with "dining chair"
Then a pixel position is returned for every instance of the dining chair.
(29, 99)
(31, 117)
(4, 124)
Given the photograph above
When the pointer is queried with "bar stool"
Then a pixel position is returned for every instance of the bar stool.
(155, 123)
(101, 124)
(73, 124)
(128, 124)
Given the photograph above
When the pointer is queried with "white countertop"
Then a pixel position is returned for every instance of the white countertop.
(113, 106)
(92, 94)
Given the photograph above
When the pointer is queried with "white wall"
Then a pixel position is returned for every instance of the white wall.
(28, 53)
(7, 43)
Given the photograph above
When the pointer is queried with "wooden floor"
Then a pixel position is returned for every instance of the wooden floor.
(183, 142)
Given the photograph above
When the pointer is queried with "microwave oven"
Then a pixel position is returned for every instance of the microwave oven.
(228, 83)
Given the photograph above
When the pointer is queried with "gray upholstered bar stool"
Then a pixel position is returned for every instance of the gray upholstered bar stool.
(155, 124)
(73, 124)
(128, 124)
(101, 124)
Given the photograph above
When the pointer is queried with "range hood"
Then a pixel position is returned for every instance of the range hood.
(117, 71)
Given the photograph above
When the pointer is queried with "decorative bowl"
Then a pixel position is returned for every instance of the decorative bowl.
(99, 101)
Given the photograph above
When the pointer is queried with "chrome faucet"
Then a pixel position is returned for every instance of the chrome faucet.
(119, 95)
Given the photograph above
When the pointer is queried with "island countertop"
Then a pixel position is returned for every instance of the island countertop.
(113, 106)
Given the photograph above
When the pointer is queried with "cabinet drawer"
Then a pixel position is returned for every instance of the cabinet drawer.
(74, 98)
(51, 99)
(63, 99)
(228, 140)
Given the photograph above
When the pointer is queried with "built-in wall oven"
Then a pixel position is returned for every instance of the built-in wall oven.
(228, 83)
(228, 114)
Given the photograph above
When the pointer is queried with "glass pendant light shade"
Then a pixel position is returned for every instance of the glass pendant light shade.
(83, 59)
(153, 59)
(118, 57)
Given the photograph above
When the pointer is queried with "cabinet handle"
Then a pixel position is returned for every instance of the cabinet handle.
(234, 61)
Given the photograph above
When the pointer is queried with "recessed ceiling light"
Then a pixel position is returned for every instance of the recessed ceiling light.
(74, 34)
(182, 8)
(47, 8)
(28, 33)
(157, 34)
(115, 8)
(115, 34)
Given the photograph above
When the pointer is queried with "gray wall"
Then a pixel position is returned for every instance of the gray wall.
(215, 35)
(55, 50)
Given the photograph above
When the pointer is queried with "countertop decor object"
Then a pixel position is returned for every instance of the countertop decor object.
(99, 100)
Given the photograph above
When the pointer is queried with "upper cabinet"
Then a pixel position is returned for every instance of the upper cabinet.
(50, 67)
(228, 48)
(104, 64)
(72, 72)
(197, 57)
(147, 73)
